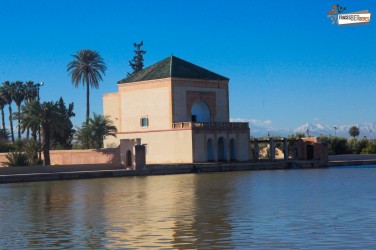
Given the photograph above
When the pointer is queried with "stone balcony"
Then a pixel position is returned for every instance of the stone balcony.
(211, 125)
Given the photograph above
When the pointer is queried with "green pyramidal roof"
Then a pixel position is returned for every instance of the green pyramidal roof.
(172, 66)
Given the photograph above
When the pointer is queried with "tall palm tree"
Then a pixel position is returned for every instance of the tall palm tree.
(2, 105)
(26, 123)
(31, 90)
(47, 116)
(87, 68)
(6, 91)
(18, 95)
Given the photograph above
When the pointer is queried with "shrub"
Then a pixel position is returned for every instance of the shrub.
(16, 159)
(370, 149)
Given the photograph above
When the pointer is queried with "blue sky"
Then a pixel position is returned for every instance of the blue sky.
(287, 63)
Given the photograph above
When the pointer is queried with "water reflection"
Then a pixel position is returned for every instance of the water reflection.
(266, 209)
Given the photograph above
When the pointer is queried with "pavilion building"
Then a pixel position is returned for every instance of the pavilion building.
(179, 112)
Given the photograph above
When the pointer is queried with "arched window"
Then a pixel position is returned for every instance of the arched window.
(221, 149)
(200, 112)
(232, 150)
(210, 150)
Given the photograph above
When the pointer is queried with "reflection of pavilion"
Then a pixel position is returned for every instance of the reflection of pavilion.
(180, 111)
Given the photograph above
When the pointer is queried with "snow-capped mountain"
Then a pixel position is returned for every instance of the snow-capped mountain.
(366, 129)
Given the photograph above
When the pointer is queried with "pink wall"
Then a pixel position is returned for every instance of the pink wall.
(87, 156)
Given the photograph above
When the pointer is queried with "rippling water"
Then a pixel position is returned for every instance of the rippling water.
(293, 209)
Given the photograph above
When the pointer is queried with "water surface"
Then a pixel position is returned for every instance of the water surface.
(291, 209)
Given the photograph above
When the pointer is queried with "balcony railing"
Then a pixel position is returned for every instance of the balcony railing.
(210, 125)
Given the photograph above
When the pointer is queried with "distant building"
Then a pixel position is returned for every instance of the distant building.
(180, 112)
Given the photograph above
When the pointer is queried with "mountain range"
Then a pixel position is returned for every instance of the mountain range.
(367, 129)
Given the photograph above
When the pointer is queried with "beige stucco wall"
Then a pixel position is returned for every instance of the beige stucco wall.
(111, 107)
(171, 146)
(149, 99)
(182, 86)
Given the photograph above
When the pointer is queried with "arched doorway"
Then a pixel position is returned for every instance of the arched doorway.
(129, 158)
(210, 150)
(221, 149)
(232, 150)
(200, 112)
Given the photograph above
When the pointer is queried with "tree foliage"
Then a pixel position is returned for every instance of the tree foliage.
(64, 139)
(47, 116)
(354, 131)
(92, 134)
(6, 91)
(87, 69)
(15, 92)
(137, 62)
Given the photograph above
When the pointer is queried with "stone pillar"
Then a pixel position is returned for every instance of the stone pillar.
(255, 150)
(123, 150)
(285, 148)
(140, 161)
(299, 149)
(271, 149)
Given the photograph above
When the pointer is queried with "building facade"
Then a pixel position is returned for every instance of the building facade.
(180, 112)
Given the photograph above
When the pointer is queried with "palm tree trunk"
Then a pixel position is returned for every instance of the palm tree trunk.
(3, 121)
(46, 144)
(87, 102)
(28, 133)
(19, 125)
(11, 121)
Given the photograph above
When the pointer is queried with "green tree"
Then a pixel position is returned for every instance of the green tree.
(47, 116)
(354, 131)
(18, 95)
(356, 146)
(6, 91)
(137, 63)
(31, 90)
(92, 134)
(370, 149)
(31, 93)
(86, 68)
(64, 140)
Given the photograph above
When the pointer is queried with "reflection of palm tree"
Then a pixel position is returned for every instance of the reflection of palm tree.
(87, 68)
(45, 115)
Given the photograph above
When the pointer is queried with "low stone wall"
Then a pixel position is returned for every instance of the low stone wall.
(109, 156)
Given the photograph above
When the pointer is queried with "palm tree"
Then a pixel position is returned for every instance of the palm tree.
(354, 131)
(92, 134)
(18, 95)
(2, 105)
(31, 90)
(6, 91)
(46, 115)
(102, 126)
(87, 68)
(25, 122)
